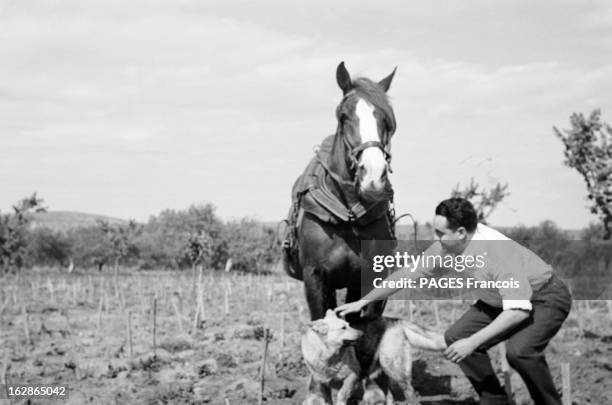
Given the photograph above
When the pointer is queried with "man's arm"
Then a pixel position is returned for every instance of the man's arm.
(504, 322)
(383, 293)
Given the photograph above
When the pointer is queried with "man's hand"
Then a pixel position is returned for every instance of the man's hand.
(351, 307)
(459, 350)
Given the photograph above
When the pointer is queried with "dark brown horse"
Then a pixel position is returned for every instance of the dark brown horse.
(344, 197)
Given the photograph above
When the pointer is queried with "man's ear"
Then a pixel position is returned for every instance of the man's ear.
(319, 326)
(463, 233)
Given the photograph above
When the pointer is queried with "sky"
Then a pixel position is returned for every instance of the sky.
(129, 108)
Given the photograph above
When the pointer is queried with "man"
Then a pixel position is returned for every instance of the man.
(527, 312)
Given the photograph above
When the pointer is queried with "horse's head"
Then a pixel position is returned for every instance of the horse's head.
(366, 123)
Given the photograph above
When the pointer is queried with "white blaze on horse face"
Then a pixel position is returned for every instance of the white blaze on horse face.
(372, 162)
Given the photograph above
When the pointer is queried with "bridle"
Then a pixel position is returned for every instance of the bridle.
(349, 198)
(355, 151)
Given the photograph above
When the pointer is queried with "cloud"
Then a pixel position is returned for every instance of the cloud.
(175, 93)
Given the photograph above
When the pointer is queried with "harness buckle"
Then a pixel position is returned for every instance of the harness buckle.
(351, 216)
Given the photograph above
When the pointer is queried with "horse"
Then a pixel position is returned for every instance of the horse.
(343, 199)
(347, 196)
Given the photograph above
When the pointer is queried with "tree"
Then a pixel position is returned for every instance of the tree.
(484, 201)
(13, 229)
(121, 238)
(166, 237)
(200, 248)
(90, 246)
(47, 247)
(588, 149)
(251, 245)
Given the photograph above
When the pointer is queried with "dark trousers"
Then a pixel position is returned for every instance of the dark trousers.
(524, 348)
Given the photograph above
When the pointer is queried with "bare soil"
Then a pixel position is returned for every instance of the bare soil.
(218, 359)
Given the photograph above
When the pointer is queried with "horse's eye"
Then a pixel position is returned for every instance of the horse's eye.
(344, 327)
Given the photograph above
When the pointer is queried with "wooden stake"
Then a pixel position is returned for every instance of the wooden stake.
(51, 290)
(201, 301)
(178, 314)
(5, 305)
(196, 318)
(263, 365)
(121, 300)
(65, 313)
(91, 290)
(436, 313)
(129, 334)
(410, 310)
(4, 376)
(580, 322)
(609, 309)
(106, 303)
(282, 330)
(567, 387)
(143, 302)
(99, 322)
(26, 325)
(154, 325)
(226, 301)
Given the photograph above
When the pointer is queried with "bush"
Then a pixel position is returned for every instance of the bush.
(251, 245)
(47, 247)
(90, 247)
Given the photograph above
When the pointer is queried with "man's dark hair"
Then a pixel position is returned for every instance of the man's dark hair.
(458, 212)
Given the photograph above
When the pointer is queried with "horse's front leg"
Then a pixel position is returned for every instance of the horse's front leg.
(319, 295)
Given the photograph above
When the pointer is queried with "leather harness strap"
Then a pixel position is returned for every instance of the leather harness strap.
(352, 210)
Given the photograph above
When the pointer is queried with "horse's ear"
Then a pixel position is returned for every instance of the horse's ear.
(386, 82)
(343, 78)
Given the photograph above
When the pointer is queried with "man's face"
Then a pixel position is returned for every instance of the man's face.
(452, 241)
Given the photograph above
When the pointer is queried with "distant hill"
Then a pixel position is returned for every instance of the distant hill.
(64, 220)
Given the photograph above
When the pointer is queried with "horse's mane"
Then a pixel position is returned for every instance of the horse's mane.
(373, 93)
